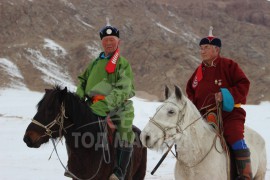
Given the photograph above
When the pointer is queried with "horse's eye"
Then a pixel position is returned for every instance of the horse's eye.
(171, 112)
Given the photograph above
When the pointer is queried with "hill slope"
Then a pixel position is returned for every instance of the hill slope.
(46, 42)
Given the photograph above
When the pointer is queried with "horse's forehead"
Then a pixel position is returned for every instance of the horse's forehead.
(49, 98)
(169, 105)
(173, 104)
(165, 107)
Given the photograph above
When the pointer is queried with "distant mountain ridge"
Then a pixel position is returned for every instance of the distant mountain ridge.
(47, 42)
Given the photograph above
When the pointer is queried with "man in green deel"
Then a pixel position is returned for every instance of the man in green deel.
(108, 84)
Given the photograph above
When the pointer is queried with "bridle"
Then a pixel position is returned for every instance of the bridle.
(180, 119)
(180, 130)
(59, 120)
(177, 127)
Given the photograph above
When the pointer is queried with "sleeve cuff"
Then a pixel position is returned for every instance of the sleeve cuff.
(227, 100)
(99, 108)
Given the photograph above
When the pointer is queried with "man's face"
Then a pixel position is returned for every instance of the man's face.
(209, 52)
(110, 44)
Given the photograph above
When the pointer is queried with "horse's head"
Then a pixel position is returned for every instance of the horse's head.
(48, 122)
(168, 122)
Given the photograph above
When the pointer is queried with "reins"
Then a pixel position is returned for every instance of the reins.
(74, 176)
(179, 130)
(103, 127)
(222, 139)
(59, 120)
(177, 127)
(195, 164)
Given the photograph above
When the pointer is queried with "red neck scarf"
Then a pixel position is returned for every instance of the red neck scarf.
(110, 67)
(199, 75)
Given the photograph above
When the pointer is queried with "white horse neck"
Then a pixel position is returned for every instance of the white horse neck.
(197, 138)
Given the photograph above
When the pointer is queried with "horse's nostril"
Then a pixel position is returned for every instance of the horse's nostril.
(27, 140)
(147, 138)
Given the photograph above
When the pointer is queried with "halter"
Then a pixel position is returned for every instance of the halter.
(179, 130)
(177, 126)
(59, 120)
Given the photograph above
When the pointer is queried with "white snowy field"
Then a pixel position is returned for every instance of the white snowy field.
(18, 162)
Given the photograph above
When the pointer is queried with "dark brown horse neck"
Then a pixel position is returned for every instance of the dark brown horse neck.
(86, 159)
(86, 154)
(89, 162)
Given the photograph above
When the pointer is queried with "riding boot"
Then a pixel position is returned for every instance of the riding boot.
(123, 159)
(243, 164)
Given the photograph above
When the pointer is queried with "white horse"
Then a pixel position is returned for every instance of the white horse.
(200, 154)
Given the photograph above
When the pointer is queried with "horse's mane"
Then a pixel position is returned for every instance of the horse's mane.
(56, 92)
(49, 95)
(79, 111)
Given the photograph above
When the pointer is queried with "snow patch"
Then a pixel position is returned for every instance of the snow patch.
(84, 23)
(69, 4)
(10, 68)
(53, 73)
(191, 36)
(94, 49)
(18, 107)
(56, 48)
(165, 28)
(13, 72)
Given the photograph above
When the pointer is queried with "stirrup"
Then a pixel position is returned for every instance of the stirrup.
(113, 177)
(67, 174)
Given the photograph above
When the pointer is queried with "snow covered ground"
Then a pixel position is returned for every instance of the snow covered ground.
(18, 162)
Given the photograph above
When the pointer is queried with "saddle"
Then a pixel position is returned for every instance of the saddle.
(110, 125)
(213, 121)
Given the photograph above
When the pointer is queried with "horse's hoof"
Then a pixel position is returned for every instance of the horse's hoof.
(113, 177)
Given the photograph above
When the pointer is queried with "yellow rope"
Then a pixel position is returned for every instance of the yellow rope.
(222, 139)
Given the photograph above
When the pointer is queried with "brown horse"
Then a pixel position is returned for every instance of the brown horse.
(62, 113)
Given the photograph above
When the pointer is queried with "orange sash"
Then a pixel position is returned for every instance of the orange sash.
(97, 98)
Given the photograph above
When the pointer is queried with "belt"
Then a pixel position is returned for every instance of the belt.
(237, 105)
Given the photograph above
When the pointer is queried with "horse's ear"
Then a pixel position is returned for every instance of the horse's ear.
(178, 92)
(47, 90)
(65, 90)
(63, 93)
(167, 92)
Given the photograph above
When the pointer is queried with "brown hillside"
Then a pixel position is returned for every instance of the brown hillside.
(159, 37)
